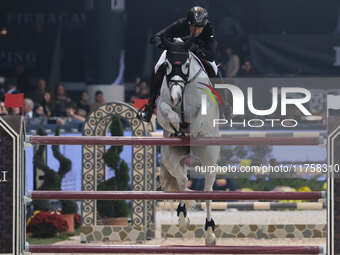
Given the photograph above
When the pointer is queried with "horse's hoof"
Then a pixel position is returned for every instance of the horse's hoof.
(210, 239)
(183, 222)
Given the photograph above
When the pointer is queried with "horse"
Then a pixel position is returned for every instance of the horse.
(179, 112)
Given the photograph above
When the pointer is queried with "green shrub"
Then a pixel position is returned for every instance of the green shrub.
(53, 179)
(115, 208)
(68, 207)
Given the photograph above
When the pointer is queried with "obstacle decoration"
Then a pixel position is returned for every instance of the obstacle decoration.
(97, 125)
(257, 231)
(218, 195)
(12, 170)
(333, 181)
(12, 185)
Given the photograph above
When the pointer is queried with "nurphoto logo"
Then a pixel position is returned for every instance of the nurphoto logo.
(239, 105)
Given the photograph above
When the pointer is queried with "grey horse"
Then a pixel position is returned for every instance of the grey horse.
(179, 112)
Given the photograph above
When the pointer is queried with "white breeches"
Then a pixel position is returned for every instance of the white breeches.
(163, 58)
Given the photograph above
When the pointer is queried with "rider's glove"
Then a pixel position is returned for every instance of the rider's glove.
(195, 48)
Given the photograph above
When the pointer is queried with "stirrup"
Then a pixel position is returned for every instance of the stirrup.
(145, 113)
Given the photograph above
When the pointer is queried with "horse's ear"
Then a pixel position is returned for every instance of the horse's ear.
(189, 42)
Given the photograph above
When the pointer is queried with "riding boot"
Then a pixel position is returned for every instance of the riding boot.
(146, 111)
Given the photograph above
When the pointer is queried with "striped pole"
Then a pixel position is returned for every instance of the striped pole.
(173, 141)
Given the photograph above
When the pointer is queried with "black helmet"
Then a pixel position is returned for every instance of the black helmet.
(198, 16)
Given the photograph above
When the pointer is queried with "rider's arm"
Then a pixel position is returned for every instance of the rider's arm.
(174, 30)
(208, 52)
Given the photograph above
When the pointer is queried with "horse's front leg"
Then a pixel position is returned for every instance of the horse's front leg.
(177, 179)
(210, 238)
(208, 156)
(183, 220)
(167, 117)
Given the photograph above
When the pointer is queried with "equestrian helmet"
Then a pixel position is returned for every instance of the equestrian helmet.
(197, 16)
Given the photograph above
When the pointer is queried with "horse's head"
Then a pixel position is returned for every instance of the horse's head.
(177, 68)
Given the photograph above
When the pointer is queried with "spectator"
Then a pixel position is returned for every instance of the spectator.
(62, 100)
(11, 86)
(72, 117)
(142, 91)
(28, 107)
(38, 94)
(14, 111)
(48, 104)
(224, 184)
(2, 95)
(231, 64)
(247, 69)
(38, 111)
(24, 84)
(3, 110)
(99, 100)
(82, 112)
(84, 102)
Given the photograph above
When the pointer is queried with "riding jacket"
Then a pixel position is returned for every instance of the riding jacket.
(204, 45)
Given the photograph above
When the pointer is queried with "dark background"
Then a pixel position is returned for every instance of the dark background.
(92, 36)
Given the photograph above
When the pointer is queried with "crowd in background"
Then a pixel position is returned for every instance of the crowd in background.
(42, 103)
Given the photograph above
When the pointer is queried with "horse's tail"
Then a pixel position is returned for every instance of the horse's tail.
(169, 183)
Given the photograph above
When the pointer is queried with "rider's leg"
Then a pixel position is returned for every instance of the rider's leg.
(145, 113)
(156, 84)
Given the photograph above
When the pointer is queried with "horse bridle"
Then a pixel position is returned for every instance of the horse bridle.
(182, 84)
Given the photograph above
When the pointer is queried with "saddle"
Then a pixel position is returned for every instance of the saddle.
(208, 68)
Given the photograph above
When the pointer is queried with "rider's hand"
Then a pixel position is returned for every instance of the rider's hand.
(195, 48)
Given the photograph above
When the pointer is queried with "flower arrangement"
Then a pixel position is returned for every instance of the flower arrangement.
(46, 224)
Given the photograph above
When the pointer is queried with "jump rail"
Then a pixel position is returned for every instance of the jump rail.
(173, 141)
(150, 249)
(162, 195)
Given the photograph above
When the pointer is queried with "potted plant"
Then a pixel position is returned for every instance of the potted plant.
(68, 211)
(115, 212)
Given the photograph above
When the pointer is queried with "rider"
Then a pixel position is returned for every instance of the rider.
(195, 24)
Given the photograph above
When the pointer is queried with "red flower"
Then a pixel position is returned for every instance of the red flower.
(47, 218)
